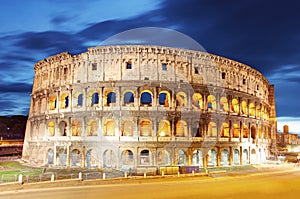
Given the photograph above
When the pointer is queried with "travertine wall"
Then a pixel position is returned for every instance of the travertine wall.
(209, 105)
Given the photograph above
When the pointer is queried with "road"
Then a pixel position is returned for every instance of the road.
(277, 185)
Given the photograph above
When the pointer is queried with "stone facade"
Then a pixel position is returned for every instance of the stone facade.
(136, 106)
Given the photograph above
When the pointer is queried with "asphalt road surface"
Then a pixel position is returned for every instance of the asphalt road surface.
(276, 185)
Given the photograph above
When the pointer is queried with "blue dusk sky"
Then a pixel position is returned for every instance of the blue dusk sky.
(262, 34)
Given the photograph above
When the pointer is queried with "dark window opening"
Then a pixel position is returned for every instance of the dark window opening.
(162, 98)
(67, 102)
(146, 78)
(146, 98)
(94, 66)
(79, 100)
(223, 75)
(111, 98)
(95, 98)
(128, 65)
(128, 98)
(257, 87)
(196, 70)
(244, 81)
(164, 66)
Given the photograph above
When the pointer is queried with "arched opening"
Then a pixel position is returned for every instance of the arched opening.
(253, 132)
(91, 159)
(212, 130)
(212, 158)
(245, 131)
(78, 99)
(64, 101)
(245, 156)
(50, 157)
(236, 157)
(253, 156)
(63, 128)
(109, 159)
(181, 99)
(51, 129)
(224, 158)
(181, 157)
(145, 128)
(163, 157)
(146, 98)
(196, 130)
(76, 128)
(197, 158)
(145, 158)
(260, 135)
(244, 108)
(76, 158)
(127, 128)
(225, 130)
(181, 129)
(109, 128)
(211, 102)
(92, 128)
(110, 98)
(236, 131)
(164, 128)
(129, 98)
(224, 104)
(52, 102)
(258, 111)
(93, 98)
(235, 106)
(127, 158)
(252, 109)
(197, 100)
(164, 98)
(62, 157)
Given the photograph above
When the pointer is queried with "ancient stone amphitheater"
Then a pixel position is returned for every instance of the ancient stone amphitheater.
(139, 106)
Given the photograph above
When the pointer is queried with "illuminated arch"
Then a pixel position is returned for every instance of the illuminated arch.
(145, 157)
(225, 130)
(164, 98)
(76, 128)
(244, 108)
(181, 100)
(197, 100)
(224, 104)
(51, 129)
(181, 157)
(245, 131)
(211, 102)
(212, 130)
(181, 129)
(64, 101)
(92, 128)
(251, 109)
(235, 131)
(78, 99)
(63, 128)
(127, 158)
(52, 102)
(164, 128)
(109, 127)
(235, 106)
(127, 128)
(146, 128)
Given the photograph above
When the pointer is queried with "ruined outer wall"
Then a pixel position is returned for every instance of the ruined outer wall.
(105, 69)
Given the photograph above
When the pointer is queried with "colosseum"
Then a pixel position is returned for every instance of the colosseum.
(141, 106)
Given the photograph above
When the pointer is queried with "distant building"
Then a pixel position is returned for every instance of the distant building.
(286, 141)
